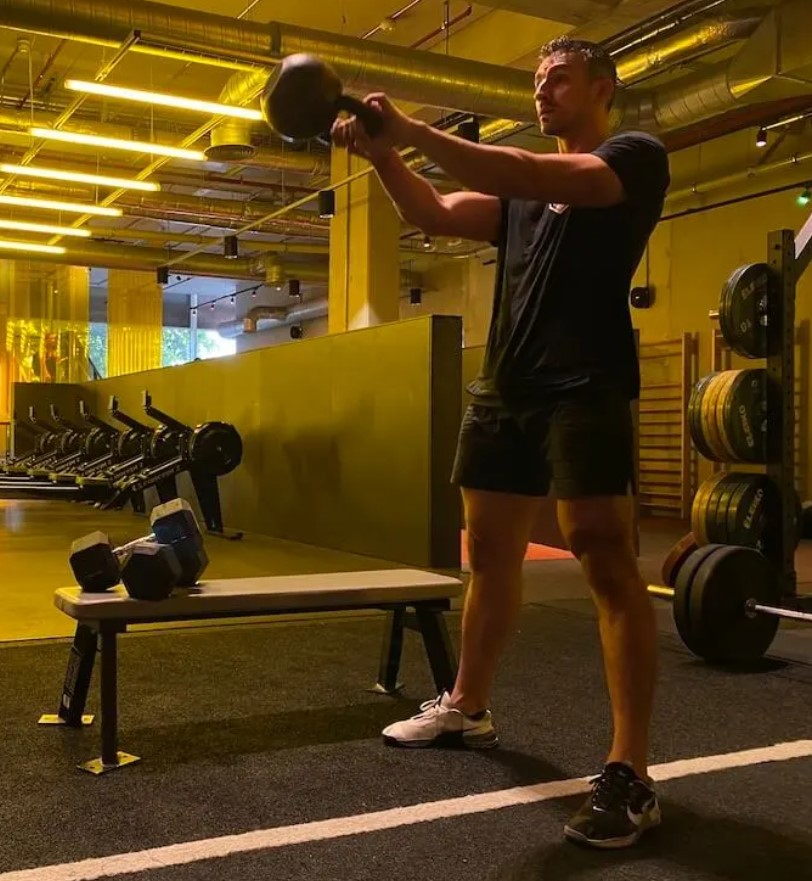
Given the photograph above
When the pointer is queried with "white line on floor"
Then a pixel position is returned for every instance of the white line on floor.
(338, 827)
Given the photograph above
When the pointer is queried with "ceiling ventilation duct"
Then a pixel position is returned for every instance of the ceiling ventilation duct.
(231, 140)
(266, 317)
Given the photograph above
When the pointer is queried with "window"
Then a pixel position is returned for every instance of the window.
(176, 346)
(97, 348)
(211, 345)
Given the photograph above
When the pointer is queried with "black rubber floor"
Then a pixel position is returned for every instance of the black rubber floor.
(253, 727)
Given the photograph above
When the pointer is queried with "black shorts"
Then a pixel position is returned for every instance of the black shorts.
(580, 446)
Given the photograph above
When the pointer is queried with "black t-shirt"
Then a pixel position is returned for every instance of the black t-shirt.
(561, 314)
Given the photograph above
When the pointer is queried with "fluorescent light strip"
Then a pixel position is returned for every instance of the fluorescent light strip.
(177, 101)
(48, 228)
(96, 180)
(69, 137)
(29, 246)
(52, 205)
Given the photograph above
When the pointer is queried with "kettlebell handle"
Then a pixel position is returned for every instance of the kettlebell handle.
(370, 118)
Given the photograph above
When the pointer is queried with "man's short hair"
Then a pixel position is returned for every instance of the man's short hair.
(598, 60)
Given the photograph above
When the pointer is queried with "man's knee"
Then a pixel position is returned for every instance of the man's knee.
(498, 530)
(493, 552)
(607, 556)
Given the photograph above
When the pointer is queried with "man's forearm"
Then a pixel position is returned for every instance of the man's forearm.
(417, 201)
(497, 171)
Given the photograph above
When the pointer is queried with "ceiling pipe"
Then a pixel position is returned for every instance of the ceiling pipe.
(230, 141)
(773, 64)
(280, 158)
(426, 78)
(167, 237)
(272, 316)
(738, 177)
(704, 36)
(113, 256)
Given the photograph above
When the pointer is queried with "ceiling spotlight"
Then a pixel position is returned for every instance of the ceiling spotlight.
(761, 137)
(232, 299)
(294, 288)
(194, 311)
(427, 243)
(212, 305)
(805, 198)
(254, 294)
(231, 247)
(162, 274)
(327, 203)
(416, 296)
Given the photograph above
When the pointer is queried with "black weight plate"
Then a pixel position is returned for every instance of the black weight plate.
(743, 310)
(96, 444)
(69, 441)
(754, 514)
(682, 596)
(721, 627)
(215, 448)
(165, 443)
(695, 416)
(745, 416)
(130, 443)
(717, 506)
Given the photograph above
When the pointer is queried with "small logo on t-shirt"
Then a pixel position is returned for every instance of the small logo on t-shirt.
(558, 208)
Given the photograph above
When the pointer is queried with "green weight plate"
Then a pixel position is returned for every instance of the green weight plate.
(699, 507)
(682, 596)
(729, 377)
(743, 310)
(721, 627)
(753, 512)
(695, 416)
(745, 416)
(717, 508)
(709, 429)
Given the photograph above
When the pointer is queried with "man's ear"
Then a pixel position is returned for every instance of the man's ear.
(605, 91)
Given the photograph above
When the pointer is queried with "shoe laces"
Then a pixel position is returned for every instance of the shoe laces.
(429, 707)
(611, 787)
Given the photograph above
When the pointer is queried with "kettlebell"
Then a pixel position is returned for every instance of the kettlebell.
(303, 97)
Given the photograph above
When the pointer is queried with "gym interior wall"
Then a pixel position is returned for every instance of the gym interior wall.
(348, 439)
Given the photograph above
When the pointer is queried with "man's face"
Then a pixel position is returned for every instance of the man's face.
(565, 94)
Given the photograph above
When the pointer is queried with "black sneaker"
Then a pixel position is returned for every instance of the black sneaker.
(619, 810)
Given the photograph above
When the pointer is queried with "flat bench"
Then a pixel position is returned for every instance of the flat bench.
(101, 617)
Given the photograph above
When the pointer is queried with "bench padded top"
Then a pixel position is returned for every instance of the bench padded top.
(274, 593)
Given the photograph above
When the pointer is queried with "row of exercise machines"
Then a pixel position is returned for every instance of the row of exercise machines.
(96, 462)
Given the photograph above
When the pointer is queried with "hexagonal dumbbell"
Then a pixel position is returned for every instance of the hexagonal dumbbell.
(98, 566)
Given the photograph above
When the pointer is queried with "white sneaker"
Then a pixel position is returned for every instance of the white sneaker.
(440, 724)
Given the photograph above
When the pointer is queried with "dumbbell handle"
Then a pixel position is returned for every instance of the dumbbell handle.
(122, 549)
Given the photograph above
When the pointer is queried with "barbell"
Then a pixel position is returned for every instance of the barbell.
(726, 601)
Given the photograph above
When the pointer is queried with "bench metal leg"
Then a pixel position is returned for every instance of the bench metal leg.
(77, 681)
(111, 758)
(439, 649)
(391, 651)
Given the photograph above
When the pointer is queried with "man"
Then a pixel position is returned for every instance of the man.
(551, 407)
